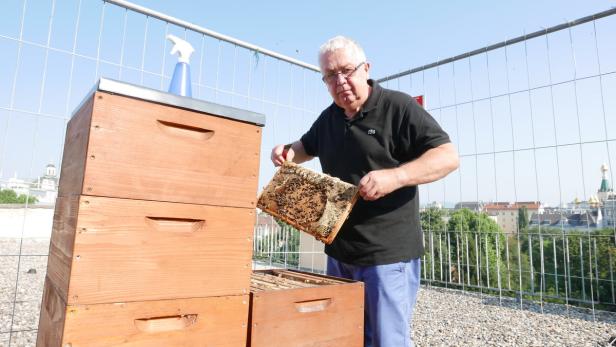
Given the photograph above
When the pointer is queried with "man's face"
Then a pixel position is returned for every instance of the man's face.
(349, 92)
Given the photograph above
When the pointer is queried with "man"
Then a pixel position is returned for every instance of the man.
(386, 144)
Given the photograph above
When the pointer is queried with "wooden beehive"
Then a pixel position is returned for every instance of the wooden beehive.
(116, 250)
(293, 308)
(315, 203)
(152, 236)
(124, 147)
(207, 321)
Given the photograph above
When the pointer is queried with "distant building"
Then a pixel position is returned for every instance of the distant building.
(506, 216)
(265, 226)
(266, 220)
(506, 213)
(493, 216)
(596, 212)
(607, 198)
(593, 202)
(609, 212)
(44, 188)
(476, 206)
(568, 219)
(435, 204)
(549, 219)
(585, 219)
(16, 184)
(605, 191)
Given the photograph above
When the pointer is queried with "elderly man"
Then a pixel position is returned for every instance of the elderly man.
(386, 144)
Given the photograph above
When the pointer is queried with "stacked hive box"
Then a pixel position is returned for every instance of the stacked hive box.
(292, 308)
(152, 233)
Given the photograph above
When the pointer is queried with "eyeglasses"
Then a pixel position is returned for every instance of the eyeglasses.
(346, 73)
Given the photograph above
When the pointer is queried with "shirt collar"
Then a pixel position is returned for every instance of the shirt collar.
(374, 97)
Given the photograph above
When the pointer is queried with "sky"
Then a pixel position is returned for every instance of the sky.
(394, 34)
(399, 35)
(528, 157)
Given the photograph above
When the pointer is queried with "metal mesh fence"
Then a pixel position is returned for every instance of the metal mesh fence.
(530, 212)
(53, 53)
(532, 118)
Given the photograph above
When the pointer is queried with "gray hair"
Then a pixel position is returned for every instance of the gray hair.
(341, 42)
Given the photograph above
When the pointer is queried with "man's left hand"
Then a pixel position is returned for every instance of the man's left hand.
(376, 184)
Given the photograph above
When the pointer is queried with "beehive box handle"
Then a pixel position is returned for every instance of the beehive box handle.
(170, 224)
(312, 305)
(168, 323)
(183, 130)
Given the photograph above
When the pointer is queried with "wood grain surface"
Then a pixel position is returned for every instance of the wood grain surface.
(129, 250)
(310, 313)
(211, 321)
(147, 151)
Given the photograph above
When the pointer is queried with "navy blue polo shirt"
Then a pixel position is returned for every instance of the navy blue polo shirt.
(390, 130)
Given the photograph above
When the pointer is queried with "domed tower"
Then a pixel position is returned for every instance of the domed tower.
(49, 182)
(50, 170)
(605, 190)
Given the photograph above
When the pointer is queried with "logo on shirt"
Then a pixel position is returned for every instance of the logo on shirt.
(371, 131)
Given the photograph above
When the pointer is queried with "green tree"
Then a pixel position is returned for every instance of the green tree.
(467, 220)
(577, 264)
(542, 263)
(483, 247)
(284, 242)
(469, 250)
(522, 218)
(432, 219)
(9, 196)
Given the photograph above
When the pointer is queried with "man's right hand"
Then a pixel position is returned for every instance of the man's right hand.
(280, 153)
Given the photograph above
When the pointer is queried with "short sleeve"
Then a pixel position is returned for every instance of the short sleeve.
(418, 132)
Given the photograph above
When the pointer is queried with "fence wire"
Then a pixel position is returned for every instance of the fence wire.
(531, 117)
(53, 53)
(533, 122)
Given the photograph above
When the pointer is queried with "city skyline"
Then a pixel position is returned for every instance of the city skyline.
(25, 182)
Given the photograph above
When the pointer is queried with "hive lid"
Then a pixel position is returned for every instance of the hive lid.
(160, 97)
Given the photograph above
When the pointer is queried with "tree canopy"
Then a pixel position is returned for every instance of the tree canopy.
(9, 196)
(432, 219)
(467, 220)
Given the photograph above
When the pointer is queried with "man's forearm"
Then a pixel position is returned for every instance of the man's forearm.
(433, 165)
(300, 154)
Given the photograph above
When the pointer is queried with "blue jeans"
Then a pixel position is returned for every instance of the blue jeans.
(390, 295)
